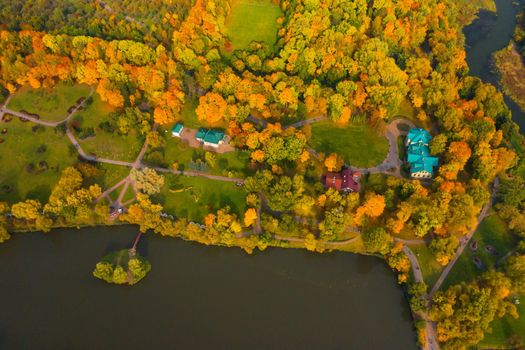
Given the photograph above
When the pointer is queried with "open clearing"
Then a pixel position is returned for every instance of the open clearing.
(504, 328)
(359, 145)
(430, 268)
(50, 104)
(194, 197)
(32, 158)
(492, 232)
(252, 21)
(104, 144)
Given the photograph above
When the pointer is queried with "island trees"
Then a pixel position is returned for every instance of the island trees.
(122, 267)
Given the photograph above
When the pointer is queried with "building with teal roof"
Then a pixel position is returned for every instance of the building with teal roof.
(418, 136)
(177, 129)
(422, 163)
(212, 138)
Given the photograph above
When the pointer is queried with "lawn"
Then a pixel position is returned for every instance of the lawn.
(50, 104)
(194, 197)
(504, 328)
(105, 144)
(188, 115)
(110, 174)
(26, 143)
(359, 145)
(252, 20)
(429, 266)
(492, 231)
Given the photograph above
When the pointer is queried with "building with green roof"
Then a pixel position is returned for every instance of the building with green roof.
(418, 154)
(176, 131)
(212, 138)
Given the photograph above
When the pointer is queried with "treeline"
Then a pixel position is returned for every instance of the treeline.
(73, 18)
(152, 22)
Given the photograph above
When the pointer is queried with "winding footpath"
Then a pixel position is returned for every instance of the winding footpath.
(432, 342)
(466, 239)
(53, 124)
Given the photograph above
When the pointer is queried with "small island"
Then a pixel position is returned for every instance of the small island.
(122, 267)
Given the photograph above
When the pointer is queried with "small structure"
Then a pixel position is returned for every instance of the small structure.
(346, 180)
(212, 138)
(176, 131)
(418, 154)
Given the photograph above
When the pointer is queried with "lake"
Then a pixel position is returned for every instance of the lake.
(195, 297)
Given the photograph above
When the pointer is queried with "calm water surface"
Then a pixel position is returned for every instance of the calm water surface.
(488, 34)
(195, 297)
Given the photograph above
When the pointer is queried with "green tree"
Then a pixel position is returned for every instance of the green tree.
(147, 180)
(376, 240)
(515, 269)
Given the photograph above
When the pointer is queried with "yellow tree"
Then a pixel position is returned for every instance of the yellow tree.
(212, 108)
(333, 162)
(250, 216)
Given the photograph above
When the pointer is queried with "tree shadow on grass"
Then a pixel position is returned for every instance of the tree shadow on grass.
(41, 193)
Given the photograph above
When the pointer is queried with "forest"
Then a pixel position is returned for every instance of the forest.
(350, 63)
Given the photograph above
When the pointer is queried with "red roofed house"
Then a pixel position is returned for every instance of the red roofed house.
(346, 180)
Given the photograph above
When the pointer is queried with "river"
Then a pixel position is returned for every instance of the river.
(195, 297)
(492, 32)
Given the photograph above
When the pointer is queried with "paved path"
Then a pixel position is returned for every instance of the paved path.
(432, 342)
(111, 189)
(465, 240)
(302, 123)
(2, 108)
(195, 173)
(51, 124)
(419, 241)
(299, 124)
(327, 243)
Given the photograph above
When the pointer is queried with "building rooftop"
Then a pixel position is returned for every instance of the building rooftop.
(177, 128)
(346, 180)
(418, 152)
(210, 136)
(418, 135)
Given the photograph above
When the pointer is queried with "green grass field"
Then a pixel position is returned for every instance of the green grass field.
(359, 145)
(188, 115)
(110, 174)
(492, 231)
(51, 104)
(194, 197)
(103, 144)
(429, 266)
(23, 146)
(252, 20)
(504, 328)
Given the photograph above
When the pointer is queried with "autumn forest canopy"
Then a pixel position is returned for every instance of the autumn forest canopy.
(354, 64)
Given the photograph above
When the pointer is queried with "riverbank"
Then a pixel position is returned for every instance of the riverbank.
(511, 69)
